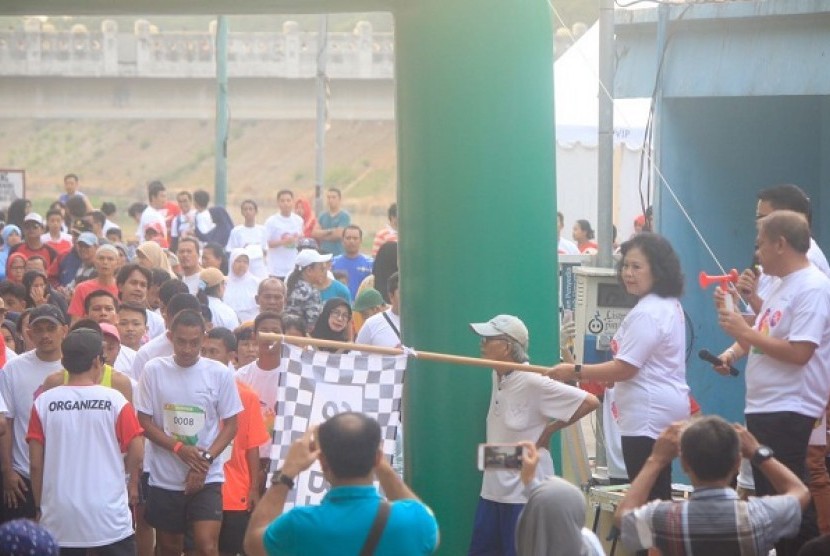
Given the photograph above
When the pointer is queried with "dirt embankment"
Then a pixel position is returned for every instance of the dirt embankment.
(116, 159)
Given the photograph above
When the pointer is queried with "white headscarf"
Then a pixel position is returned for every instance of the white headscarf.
(240, 291)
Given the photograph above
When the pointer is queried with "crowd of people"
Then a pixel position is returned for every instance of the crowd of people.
(132, 370)
(149, 345)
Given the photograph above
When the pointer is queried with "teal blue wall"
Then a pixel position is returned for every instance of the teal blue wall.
(716, 154)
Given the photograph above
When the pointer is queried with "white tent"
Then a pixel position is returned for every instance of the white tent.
(576, 89)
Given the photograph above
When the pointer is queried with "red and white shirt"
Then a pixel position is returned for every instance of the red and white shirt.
(84, 430)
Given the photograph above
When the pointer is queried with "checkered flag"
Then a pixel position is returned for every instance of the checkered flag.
(318, 385)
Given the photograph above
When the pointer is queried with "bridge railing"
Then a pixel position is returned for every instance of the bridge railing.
(290, 52)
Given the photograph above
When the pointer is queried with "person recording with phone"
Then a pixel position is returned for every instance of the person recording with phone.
(523, 406)
(353, 518)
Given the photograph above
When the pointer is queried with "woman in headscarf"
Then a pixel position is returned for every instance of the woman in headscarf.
(150, 255)
(11, 236)
(386, 264)
(552, 522)
(241, 286)
(303, 209)
(38, 292)
(335, 323)
(16, 267)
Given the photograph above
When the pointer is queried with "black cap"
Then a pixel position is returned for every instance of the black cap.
(80, 348)
(80, 225)
(307, 243)
(47, 312)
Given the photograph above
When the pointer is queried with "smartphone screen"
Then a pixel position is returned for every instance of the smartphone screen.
(499, 456)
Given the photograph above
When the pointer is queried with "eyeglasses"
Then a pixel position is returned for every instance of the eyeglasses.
(488, 339)
(340, 315)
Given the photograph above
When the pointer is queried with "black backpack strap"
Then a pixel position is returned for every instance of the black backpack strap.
(377, 529)
(392, 324)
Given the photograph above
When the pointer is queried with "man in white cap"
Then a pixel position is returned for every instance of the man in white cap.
(524, 406)
(303, 295)
(32, 244)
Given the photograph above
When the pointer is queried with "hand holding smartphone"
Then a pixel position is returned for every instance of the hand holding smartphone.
(500, 457)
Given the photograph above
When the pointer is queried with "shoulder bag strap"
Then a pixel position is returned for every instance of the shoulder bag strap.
(377, 529)
(392, 324)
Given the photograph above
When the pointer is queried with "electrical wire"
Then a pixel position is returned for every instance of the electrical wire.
(645, 150)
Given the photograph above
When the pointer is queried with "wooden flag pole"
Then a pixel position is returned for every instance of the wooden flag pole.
(425, 355)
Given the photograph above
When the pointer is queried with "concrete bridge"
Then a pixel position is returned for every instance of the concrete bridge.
(141, 73)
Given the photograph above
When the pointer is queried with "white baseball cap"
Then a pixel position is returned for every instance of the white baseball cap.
(310, 256)
(33, 217)
(503, 325)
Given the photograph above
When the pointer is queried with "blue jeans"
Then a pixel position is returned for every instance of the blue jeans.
(494, 529)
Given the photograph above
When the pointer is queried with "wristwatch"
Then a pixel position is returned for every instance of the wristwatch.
(279, 479)
(762, 454)
(206, 456)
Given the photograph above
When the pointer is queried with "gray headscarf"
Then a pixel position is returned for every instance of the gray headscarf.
(552, 521)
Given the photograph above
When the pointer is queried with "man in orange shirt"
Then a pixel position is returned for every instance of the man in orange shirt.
(240, 491)
(106, 265)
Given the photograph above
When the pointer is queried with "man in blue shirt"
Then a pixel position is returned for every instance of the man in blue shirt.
(348, 446)
(354, 263)
(331, 224)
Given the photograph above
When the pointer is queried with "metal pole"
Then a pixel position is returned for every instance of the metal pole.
(605, 171)
(656, 136)
(322, 113)
(222, 116)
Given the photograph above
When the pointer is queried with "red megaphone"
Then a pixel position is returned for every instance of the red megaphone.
(706, 280)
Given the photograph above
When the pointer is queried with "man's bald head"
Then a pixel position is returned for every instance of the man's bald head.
(271, 295)
(350, 442)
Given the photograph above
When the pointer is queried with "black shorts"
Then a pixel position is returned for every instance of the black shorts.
(172, 511)
(24, 509)
(231, 535)
(124, 547)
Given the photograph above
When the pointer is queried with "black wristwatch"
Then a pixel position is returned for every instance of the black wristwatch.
(206, 456)
(762, 454)
(578, 371)
(279, 479)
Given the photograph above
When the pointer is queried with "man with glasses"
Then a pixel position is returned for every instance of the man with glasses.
(524, 406)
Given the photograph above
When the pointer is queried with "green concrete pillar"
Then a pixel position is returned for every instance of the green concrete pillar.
(478, 226)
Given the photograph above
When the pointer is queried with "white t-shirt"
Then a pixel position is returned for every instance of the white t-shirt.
(192, 282)
(160, 346)
(281, 259)
(815, 255)
(243, 236)
(183, 223)
(377, 332)
(125, 360)
(613, 439)
(20, 379)
(798, 310)
(265, 384)
(522, 404)
(155, 324)
(222, 314)
(148, 217)
(204, 221)
(85, 430)
(190, 404)
(567, 247)
(10, 354)
(652, 337)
